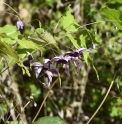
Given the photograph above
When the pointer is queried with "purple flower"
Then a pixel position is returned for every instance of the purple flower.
(44, 68)
(77, 53)
(76, 63)
(47, 65)
(66, 60)
(30, 58)
(20, 26)
(36, 68)
(49, 76)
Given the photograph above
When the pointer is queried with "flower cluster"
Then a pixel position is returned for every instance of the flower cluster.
(47, 68)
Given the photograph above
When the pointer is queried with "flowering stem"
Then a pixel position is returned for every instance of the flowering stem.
(44, 100)
(103, 99)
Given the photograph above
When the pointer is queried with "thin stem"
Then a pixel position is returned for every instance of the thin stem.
(82, 26)
(57, 24)
(5, 69)
(103, 99)
(12, 9)
(88, 33)
(23, 108)
(44, 100)
(9, 71)
(12, 14)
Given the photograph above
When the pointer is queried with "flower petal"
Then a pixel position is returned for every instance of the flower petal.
(81, 50)
(74, 53)
(77, 63)
(20, 26)
(37, 68)
(45, 61)
(47, 65)
(49, 75)
(55, 59)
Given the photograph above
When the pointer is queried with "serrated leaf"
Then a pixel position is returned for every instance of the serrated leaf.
(10, 30)
(44, 38)
(113, 15)
(82, 40)
(36, 39)
(49, 120)
(74, 42)
(22, 52)
(4, 35)
(68, 19)
(9, 33)
(69, 24)
(48, 37)
(27, 44)
(8, 50)
(6, 38)
(85, 57)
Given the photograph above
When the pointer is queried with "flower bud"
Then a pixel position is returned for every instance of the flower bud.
(30, 58)
(20, 26)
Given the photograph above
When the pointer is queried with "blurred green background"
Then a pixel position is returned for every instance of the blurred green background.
(81, 93)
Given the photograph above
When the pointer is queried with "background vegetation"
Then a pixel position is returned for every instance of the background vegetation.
(53, 27)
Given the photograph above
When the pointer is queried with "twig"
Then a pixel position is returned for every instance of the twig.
(44, 100)
(103, 99)
(23, 108)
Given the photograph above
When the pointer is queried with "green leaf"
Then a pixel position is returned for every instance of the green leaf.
(35, 91)
(8, 40)
(74, 42)
(10, 30)
(43, 38)
(46, 37)
(113, 15)
(9, 33)
(68, 19)
(85, 57)
(69, 24)
(22, 52)
(49, 120)
(27, 44)
(7, 49)
(82, 40)
(115, 1)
